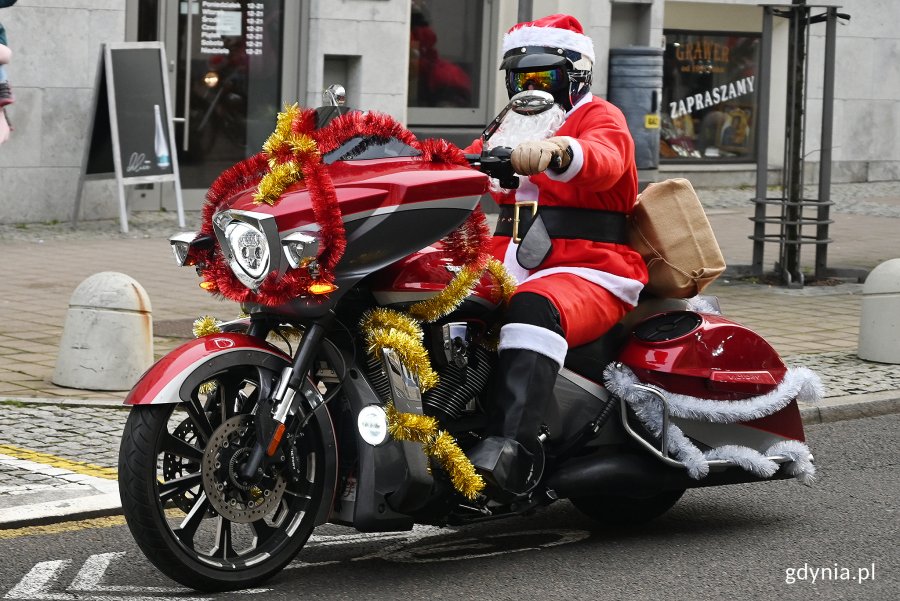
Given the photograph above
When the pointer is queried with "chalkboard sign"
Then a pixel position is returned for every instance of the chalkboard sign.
(131, 134)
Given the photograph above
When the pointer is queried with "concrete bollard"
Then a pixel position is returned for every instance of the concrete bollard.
(879, 319)
(107, 340)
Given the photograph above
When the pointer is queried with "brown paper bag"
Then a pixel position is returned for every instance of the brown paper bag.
(670, 230)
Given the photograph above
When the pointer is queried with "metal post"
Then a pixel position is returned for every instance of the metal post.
(823, 211)
(792, 207)
(525, 10)
(762, 143)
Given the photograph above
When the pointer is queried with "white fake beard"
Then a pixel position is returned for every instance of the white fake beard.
(516, 128)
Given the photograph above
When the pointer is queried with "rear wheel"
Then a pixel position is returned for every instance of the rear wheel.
(618, 511)
(185, 502)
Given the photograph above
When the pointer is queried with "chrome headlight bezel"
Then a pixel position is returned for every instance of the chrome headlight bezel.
(300, 249)
(232, 227)
(181, 246)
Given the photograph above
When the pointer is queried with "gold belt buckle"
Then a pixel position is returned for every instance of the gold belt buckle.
(524, 203)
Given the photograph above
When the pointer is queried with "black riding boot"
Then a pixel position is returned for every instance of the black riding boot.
(523, 392)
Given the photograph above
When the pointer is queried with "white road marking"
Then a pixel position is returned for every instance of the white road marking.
(105, 493)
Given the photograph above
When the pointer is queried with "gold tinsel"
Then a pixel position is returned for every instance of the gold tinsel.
(302, 144)
(206, 325)
(503, 278)
(410, 426)
(448, 299)
(282, 128)
(440, 445)
(410, 350)
(276, 181)
(283, 174)
(462, 473)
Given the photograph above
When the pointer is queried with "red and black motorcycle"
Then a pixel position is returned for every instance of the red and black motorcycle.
(361, 375)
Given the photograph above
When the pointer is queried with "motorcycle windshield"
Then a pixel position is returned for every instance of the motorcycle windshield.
(361, 148)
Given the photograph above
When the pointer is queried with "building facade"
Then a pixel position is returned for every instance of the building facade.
(433, 65)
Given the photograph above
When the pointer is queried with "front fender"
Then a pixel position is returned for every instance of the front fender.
(172, 378)
(163, 382)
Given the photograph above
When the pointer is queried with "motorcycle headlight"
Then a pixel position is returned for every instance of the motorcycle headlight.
(300, 249)
(181, 245)
(245, 240)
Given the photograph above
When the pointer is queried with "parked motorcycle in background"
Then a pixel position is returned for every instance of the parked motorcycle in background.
(351, 392)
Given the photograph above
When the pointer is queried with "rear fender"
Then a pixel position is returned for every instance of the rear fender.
(173, 377)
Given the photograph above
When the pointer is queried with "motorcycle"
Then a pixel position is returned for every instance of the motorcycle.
(368, 260)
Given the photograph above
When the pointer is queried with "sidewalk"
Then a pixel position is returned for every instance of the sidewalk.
(58, 446)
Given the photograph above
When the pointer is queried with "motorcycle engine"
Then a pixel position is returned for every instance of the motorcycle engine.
(462, 364)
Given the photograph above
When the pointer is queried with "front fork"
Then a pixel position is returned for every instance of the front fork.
(272, 413)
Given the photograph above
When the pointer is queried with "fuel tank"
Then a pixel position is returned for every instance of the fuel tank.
(423, 274)
(702, 355)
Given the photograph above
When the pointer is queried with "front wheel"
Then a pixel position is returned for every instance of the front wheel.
(615, 511)
(186, 505)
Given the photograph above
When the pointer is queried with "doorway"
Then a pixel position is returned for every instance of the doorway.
(226, 73)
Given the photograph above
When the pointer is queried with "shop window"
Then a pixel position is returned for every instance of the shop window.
(710, 98)
(448, 54)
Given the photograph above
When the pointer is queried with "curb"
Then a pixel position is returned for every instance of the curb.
(857, 406)
(66, 402)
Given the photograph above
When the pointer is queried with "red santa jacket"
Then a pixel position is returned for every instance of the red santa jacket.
(602, 175)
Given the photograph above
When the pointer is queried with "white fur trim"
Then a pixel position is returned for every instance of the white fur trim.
(702, 304)
(553, 37)
(512, 263)
(749, 459)
(801, 466)
(534, 338)
(574, 167)
(625, 289)
(526, 190)
(798, 382)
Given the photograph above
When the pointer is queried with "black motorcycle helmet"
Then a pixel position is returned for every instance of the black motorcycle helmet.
(549, 69)
(551, 54)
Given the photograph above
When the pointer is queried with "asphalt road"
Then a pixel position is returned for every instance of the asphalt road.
(759, 541)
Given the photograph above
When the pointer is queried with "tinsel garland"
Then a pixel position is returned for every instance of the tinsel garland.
(388, 329)
(290, 155)
(205, 325)
(440, 445)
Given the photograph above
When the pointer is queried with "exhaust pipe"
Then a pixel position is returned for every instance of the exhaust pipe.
(636, 475)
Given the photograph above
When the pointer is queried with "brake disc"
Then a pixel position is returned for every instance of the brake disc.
(236, 499)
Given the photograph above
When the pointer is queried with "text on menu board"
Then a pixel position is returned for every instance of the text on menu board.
(220, 20)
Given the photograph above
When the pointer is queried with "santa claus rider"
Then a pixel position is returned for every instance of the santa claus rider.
(561, 234)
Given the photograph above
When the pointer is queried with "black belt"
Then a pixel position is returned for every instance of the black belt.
(567, 222)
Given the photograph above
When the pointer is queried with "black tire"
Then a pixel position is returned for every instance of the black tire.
(615, 511)
(164, 498)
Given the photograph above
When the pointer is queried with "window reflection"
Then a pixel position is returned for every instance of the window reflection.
(445, 53)
(710, 100)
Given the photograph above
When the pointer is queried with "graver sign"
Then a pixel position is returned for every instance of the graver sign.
(39, 582)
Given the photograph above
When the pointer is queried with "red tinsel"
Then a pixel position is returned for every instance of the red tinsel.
(235, 179)
(438, 150)
(328, 214)
(355, 124)
(469, 243)
(466, 246)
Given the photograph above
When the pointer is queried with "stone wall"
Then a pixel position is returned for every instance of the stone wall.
(365, 43)
(56, 48)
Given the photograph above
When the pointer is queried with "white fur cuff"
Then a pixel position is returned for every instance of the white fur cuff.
(534, 338)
